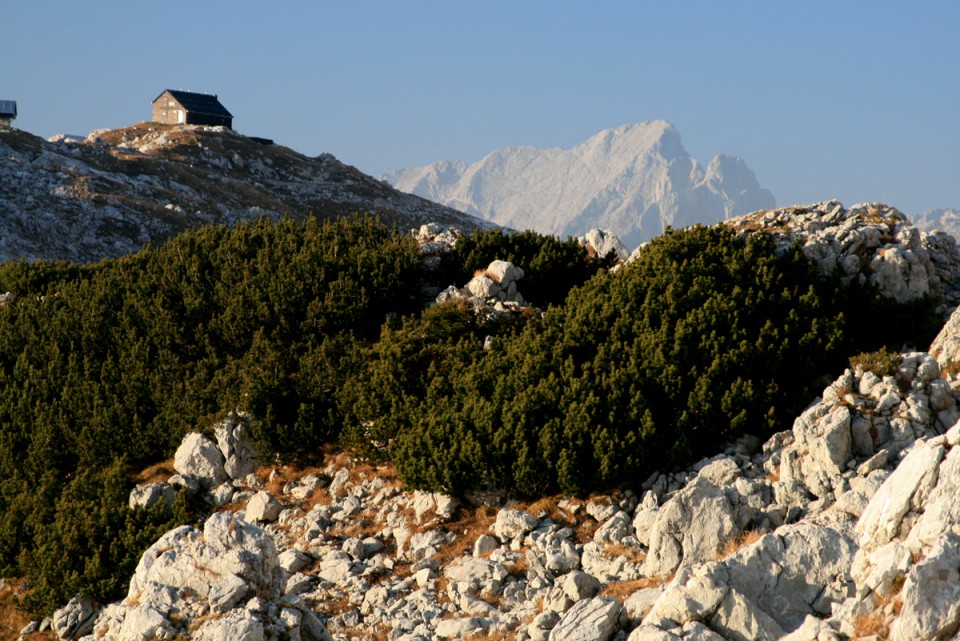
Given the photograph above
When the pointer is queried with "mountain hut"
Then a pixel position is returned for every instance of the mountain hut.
(8, 112)
(175, 107)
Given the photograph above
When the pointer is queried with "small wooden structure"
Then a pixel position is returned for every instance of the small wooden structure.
(8, 112)
(175, 107)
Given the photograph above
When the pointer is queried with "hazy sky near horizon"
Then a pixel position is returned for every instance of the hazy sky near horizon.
(856, 100)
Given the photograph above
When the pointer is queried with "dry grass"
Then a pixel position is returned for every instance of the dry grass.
(379, 633)
(156, 473)
(745, 538)
(484, 272)
(874, 623)
(632, 553)
(622, 590)
(467, 526)
(547, 508)
(12, 618)
(520, 566)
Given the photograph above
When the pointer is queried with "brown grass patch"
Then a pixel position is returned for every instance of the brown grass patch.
(874, 623)
(156, 473)
(520, 566)
(745, 538)
(622, 590)
(12, 617)
(467, 526)
(632, 553)
(484, 272)
(548, 507)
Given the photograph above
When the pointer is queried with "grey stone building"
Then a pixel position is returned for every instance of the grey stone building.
(175, 107)
(8, 112)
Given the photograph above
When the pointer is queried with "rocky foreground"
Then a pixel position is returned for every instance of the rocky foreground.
(844, 527)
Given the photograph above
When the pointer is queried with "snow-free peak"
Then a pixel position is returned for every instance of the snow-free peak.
(634, 180)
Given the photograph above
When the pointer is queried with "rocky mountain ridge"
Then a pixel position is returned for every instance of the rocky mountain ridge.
(843, 527)
(119, 189)
(870, 243)
(633, 180)
(947, 220)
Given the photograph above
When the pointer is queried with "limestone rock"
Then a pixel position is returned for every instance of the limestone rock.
(690, 528)
(931, 595)
(580, 585)
(151, 494)
(946, 347)
(200, 458)
(881, 520)
(237, 626)
(263, 507)
(604, 242)
(690, 631)
(482, 286)
(504, 272)
(240, 457)
(460, 628)
(602, 508)
(75, 619)
(484, 545)
(589, 620)
(801, 569)
(867, 243)
(186, 557)
(475, 573)
(432, 505)
(511, 524)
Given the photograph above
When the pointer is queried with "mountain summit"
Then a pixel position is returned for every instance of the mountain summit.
(634, 180)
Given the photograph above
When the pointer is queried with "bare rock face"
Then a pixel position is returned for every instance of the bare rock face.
(604, 242)
(931, 602)
(75, 619)
(151, 494)
(690, 528)
(239, 455)
(224, 582)
(868, 243)
(589, 620)
(946, 348)
(763, 590)
(862, 419)
(200, 458)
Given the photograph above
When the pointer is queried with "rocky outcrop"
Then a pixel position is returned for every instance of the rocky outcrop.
(869, 243)
(603, 243)
(220, 469)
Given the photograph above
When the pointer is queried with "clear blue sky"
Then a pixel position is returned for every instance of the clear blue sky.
(853, 100)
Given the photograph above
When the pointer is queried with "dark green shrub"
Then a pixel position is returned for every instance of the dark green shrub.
(117, 361)
(705, 337)
(882, 362)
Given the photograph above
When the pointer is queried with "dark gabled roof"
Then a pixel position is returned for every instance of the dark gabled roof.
(198, 103)
(8, 108)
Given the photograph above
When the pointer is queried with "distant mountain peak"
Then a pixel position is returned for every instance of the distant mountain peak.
(633, 179)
